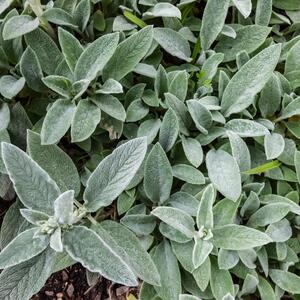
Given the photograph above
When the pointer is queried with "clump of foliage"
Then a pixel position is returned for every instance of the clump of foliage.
(152, 140)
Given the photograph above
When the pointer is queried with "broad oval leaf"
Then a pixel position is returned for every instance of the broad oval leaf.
(23, 247)
(158, 177)
(128, 54)
(86, 118)
(285, 280)
(249, 80)
(214, 16)
(57, 121)
(224, 173)
(274, 145)
(246, 128)
(114, 173)
(95, 57)
(106, 262)
(33, 185)
(192, 150)
(18, 26)
(176, 218)
(238, 237)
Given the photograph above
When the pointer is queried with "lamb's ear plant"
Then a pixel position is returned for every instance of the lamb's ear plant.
(156, 143)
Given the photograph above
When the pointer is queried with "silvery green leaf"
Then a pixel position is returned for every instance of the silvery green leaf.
(265, 289)
(285, 280)
(63, 208)
(213, 21)
(292, 59)
(4, 4)
(147, 292)
(240, 152)
(10, 86)
(280, 231)
(71, 47)
(244, 7)
(46, 50)
(178, 85)
(210, 66)
(188, 174)
(157, 167)
(192, 150)
(249, 285)
(220, 281)
(173, 234)
(31, 70)
(274, 145)
(82, 13)
(4, 116)
(246, 128)
(136, 111)
(59, 16)
(224, 173)
(56, 241)
(161, 83)
(173, 43)
(238, 237)
(18, 26)
(57, 121)
(128, 54)
(269, 214)
(205, 212)
(110, 105)
(270, 96)
(176, 218)
(122, 24)
(181, 111)
(273, 198)
(4, 137)
(227, 259)
(263, 14)
(201, 251)
(248, 258)
(139, 260)
(55, 162)
(13, 223)
(297, 164)
(94, 58)
(248, 38)
(23, 247)
(140, 224)
(114, 173)
(33, 185)
(23, 281)
(149, 129)
(163, 10)
(33, 216)
(107, 262)
(110, 86)
(150, 98)
(202, 275)
(185, 202)
(251, 204)
(249, 80)
(85, 120)
(168, 269)
(58, 84)
(169, 130)
(200, 114)
(291, 109)
(228, 31)
(287, 156)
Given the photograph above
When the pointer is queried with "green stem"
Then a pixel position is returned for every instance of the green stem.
(89, 217)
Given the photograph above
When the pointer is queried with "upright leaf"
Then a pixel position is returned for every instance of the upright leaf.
(249, 80)
(95, 57)
(128, 54)
(224, 173)
(213, 21)
(114, 173)
(158, 177)
(33, 185)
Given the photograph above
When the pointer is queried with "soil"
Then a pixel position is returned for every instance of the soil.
(71, 284)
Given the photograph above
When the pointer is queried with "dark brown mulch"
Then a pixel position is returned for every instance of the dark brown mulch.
(71, 284)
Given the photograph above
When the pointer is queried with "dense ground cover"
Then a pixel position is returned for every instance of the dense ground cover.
(153, 142)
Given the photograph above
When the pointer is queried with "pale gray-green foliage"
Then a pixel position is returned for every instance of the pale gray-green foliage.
(116, 172)
(249, 80)
(209, 188)
(224, 173)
